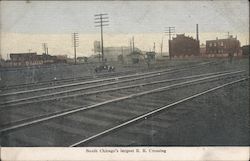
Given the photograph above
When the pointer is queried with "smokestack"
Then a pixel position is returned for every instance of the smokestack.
(197, 32)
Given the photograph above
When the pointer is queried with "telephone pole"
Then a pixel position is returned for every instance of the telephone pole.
(45, 48)
(169, 31)
(75, 38)
(133, 44)
(154, 47)
(161, 45)
(101, 20)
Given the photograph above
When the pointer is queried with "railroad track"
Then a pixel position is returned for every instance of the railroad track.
(18, 89)
(42, 94)
(41, 109)
(109, 112)
(113, 92)
(61, 81)
(76, 89)
(122, 134)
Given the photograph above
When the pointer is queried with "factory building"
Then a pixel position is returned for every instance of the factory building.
(28, 59)
(223, 47)
(111, 53)
(183, 46)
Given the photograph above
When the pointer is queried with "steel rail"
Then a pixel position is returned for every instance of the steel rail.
(110, 90)
(148, 114)
(80, 89)
(93, 86)
(21, 101)
(72, 111)
(80, 83)
(100, 80)
(64, 80)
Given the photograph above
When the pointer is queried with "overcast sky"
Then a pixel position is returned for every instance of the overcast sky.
(44, 21)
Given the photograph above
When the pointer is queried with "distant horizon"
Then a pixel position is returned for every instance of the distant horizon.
(110, 40)
(25, 26)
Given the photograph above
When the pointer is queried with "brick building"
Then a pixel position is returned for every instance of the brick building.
(183, 46)
(223, 47)
(27, 59)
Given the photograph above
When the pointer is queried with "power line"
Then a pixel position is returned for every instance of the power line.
(101, 20)
(75, 38)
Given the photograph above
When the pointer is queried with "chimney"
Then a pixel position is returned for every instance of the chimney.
(197, 32)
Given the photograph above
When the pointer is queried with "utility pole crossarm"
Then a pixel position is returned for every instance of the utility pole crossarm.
(169, 31)
(101, 14)
(101, 22)
(102, 25)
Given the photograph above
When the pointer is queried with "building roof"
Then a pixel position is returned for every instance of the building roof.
(182, 36)
(230, 38)
(23, 54)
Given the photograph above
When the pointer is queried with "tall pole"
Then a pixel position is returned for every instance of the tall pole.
(130, 45)
(169, 31)
(45, 46)
(154, 47)
(133, 47)
(101, 21)
(99, 56)
(161, 45)
(102, 38)
(75, 43)
(74, 47)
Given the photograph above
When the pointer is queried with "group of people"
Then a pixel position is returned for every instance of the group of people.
(105, 67)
